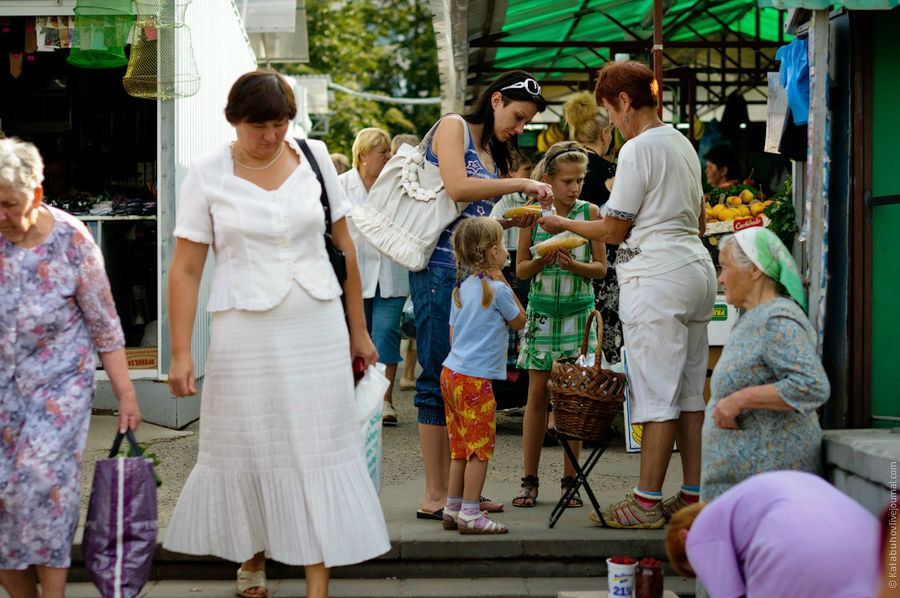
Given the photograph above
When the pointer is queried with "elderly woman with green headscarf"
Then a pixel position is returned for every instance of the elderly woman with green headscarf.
(769, 381)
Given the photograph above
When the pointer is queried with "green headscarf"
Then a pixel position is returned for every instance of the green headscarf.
(769, 254)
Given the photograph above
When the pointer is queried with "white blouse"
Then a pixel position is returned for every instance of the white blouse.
(376, 270)
(263, 241)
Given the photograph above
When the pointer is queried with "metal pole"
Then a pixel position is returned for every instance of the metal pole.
(658, 51)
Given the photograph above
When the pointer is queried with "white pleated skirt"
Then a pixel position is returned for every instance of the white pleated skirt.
(280, 468)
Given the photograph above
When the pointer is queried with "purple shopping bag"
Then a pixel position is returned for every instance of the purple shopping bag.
(120, 531)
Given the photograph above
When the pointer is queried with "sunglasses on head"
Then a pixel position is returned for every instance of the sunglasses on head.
(529, 85)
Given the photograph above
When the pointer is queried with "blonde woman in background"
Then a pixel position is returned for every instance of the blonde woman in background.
(589, 124)
(385, 285)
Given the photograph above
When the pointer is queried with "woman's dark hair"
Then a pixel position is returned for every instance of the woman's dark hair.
(633, 78)
(258, 97)
(483, 113)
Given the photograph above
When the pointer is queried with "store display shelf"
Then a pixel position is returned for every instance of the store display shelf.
(102, 376)
(731, 226)
(92, 218)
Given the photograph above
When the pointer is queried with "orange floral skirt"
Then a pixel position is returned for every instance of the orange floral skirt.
(470, 406)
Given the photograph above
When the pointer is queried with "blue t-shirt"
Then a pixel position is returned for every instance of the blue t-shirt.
(443, 253)
(479, 333)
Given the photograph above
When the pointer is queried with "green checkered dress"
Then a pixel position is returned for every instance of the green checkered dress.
(559, 303)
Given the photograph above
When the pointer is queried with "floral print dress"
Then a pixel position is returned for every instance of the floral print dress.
(773, 343)
(56, 310)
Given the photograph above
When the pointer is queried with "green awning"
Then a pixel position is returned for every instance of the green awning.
(730, 43)
(825, 4)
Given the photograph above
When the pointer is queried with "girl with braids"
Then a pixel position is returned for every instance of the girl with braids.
(559, 302)
(483, 304)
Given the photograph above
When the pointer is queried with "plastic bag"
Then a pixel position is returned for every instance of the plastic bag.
(120, 530)
(408, 319)
(564, 240)
(369, 401)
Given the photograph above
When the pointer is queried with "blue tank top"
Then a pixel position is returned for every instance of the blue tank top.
(443, 254)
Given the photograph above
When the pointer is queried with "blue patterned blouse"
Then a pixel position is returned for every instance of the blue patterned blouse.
(443, 254)
(773, 343)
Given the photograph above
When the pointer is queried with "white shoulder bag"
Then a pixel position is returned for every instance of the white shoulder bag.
(408, 208)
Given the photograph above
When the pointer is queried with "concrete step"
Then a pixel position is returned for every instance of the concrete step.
(442, 587)
(422, 549)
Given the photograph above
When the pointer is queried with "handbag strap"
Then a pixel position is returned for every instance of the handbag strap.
(426, 142)
(323, 197)
(118, 443)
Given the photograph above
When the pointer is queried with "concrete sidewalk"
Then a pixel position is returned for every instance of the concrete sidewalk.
(403, 480)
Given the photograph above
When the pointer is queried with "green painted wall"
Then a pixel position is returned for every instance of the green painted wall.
(886, 219)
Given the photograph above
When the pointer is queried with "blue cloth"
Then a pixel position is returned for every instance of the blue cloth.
(443, 253)
(773, 343)
(383, 323)
(431, 290)
(795, 77)
(479, 333)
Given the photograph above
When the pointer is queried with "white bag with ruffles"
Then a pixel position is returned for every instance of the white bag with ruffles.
(408, 208)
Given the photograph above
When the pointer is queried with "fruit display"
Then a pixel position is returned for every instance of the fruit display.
(732, 206)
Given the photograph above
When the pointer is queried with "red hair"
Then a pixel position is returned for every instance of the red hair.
(633, 78)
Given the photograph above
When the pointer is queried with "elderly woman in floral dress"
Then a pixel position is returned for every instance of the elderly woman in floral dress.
(56, 312)
(769, 380)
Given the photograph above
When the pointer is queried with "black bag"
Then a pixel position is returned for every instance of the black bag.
(335, 255)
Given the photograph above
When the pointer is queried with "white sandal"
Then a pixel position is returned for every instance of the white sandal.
(250, 579)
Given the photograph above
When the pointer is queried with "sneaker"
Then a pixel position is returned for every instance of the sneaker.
(670, 506)
(629, 514)
(388, 415)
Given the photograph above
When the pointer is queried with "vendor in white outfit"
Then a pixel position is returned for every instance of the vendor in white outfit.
(279, 472)
(667, 287)
(385, 285)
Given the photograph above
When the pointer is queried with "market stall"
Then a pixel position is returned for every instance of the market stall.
(115, 160)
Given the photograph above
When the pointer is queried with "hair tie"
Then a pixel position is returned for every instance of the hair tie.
(481, 275)
(564, 151)
(458, 284)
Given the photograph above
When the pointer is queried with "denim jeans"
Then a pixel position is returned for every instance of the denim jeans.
(383, 322)
(431, 291)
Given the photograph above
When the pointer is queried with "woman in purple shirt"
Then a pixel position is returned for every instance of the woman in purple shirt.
(779, 533)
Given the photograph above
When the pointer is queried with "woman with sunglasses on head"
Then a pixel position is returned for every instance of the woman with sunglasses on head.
(474, 173)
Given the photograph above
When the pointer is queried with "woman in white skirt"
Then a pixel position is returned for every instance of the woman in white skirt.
(279, 473)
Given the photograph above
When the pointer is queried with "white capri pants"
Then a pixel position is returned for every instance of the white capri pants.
(664, 321)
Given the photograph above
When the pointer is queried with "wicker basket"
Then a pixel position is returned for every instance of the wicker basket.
(585, 400)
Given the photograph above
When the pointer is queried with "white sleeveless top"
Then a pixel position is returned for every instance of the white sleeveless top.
(263, 241)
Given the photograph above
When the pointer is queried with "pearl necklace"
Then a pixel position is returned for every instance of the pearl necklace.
(242, 165)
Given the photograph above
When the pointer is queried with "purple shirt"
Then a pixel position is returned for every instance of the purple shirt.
(785, 533)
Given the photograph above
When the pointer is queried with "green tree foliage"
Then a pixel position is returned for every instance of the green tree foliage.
(379, 46)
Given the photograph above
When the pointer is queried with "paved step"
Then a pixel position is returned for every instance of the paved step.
(487, 587)
(422, 549)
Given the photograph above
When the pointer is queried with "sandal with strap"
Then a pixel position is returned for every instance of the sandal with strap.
(250, 579)
(527, 498)
(575, 500)
(481, 525)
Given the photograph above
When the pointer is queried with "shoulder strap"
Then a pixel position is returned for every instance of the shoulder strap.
(304, 147)
(426, 142)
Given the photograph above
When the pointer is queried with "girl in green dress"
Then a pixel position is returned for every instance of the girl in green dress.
(560, 299)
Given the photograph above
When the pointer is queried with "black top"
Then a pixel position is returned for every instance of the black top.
(594, 189)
